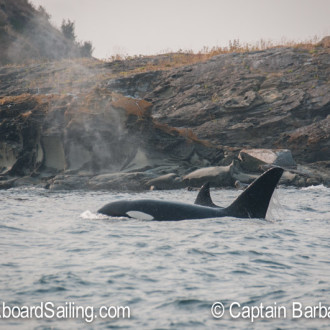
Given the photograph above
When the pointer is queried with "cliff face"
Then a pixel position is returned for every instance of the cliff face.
(90, 124)
(278, 98)
(74, 123)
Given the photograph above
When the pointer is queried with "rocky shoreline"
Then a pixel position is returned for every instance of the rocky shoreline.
(152, 179)
(88, 124)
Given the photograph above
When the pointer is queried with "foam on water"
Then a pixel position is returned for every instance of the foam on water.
(318, 188)
(92, 216)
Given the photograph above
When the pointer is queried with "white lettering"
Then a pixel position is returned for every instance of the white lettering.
(296, 308)
(234, 305)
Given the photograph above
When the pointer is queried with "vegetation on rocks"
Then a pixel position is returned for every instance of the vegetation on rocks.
(27, 35)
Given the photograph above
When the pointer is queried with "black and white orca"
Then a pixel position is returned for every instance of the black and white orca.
(253, 202)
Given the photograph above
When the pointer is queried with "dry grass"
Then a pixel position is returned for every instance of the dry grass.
(27, 98)
(188, 57)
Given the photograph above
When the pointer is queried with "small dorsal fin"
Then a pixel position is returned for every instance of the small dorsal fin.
(203, 198)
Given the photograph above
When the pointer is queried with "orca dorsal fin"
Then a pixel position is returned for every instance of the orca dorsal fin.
(254, 200)
(204, 198)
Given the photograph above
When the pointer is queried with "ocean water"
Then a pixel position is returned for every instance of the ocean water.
(58, 254)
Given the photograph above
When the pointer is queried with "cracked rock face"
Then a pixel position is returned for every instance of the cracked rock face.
(97, 132)
(261, 99)
(83, 118)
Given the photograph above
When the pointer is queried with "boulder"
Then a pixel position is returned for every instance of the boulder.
(6, 183)
(242, 177)
(289, 178)
(28, 181)
(119, 181)
(218, 176)
(256, 160)
(166, 181)
(240, 185)
(68, 182)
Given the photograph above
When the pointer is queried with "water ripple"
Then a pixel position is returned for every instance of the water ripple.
(168, 273)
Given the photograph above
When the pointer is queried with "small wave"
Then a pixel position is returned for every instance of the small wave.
(240, 272)
(182, 302)
(187, 301)
(272, 264)
(50, 289)
(9, 264)
(92, 216)
(319, 187)
(202, 252)
(11, 228)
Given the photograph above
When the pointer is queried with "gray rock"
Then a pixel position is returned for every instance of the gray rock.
(289, 178)
(166, 181)
(313, 181)
(240, 185)
(242, 177)
(253, 160)
(27, 181)
(7, 183)
(135, 181)
(277, 98)
(218, 176)
(68, 182)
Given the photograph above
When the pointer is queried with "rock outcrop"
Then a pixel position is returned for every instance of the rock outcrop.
(254, 160)
(217, 176)
(276, 99)
(84, 124)
(95, 132)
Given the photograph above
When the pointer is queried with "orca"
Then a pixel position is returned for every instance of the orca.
(204, 198)
(251, 203)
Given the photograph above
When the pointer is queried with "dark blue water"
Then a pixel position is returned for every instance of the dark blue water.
(54, 248)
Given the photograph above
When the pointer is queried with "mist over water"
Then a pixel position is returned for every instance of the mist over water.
(54, 247)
